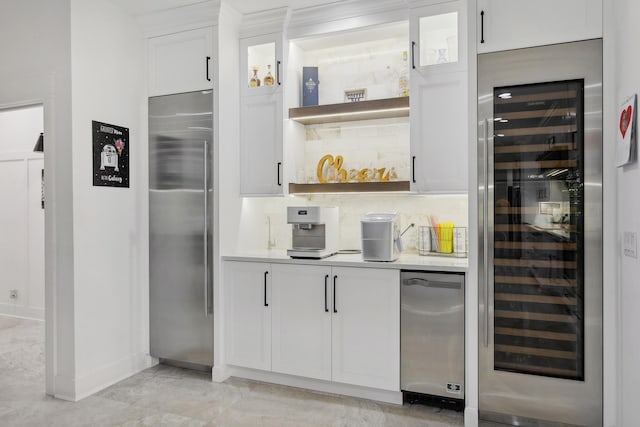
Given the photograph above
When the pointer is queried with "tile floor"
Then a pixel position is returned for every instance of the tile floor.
(167, 396)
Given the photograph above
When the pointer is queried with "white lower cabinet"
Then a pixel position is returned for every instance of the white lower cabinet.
(247, 314)
(365, 339)
(301, 330)
(338, 324)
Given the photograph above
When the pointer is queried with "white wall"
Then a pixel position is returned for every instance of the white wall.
(627, 70)
(108, 68)
(22, 216)
(34, 41)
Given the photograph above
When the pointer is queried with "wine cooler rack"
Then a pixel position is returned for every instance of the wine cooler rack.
(538, 229)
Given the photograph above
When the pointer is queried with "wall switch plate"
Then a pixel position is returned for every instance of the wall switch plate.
(630, 244)
(13, 294)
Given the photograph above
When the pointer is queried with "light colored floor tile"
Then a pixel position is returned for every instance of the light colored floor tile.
(169, 396)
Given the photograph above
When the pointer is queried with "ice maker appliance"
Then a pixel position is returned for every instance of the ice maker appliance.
(380, 237)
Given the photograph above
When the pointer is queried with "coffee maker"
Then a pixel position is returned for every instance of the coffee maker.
(314, 231)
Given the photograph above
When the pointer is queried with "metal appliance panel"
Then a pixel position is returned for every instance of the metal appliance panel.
(515, 396)
(180, 285)
(432, 334)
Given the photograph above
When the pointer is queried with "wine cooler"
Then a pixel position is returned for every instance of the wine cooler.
(540, 183)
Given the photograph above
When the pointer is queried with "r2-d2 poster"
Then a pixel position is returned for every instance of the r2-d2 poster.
(110, 155)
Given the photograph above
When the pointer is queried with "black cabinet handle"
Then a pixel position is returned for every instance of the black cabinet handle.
(265, 289)
(207, 64)
(335, 309)
(413, 55)
(278, 72)
(279, 167)
(413, 169)
(482, 26)
(326, 304)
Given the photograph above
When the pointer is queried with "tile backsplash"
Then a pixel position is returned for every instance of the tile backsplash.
(261, 214)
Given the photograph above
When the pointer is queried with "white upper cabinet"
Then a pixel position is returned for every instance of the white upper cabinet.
(247, 304)
(181, 62)
(439, 99)
(261, 65)
(261, 115)
(438, 38)
(513, 24)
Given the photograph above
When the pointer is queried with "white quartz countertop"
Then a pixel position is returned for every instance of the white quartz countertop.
(408, 261)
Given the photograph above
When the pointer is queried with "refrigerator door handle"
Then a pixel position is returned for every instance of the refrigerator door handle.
(206, 231)
(485, 228)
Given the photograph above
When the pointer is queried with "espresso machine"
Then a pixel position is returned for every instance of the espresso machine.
(314, 231)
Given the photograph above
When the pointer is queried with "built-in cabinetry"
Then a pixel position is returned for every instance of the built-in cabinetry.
(261, 114)
(331, 323)
(513, 24)
(247, 314)
(439, 94)
(181, 62)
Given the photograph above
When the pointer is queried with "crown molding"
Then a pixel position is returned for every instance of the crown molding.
(169, 21)
(264, 22)
(345, 15)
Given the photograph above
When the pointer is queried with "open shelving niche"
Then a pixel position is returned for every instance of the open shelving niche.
(371, 59)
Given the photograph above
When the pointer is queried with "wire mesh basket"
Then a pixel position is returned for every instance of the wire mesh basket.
(442, 239)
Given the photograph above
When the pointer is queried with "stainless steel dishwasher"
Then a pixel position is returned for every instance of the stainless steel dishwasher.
(432, 337)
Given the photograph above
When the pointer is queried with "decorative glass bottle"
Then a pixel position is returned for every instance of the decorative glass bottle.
(268, 79)
(254, 81)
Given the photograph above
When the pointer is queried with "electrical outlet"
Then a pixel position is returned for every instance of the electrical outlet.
(13, 294)
(630, 244)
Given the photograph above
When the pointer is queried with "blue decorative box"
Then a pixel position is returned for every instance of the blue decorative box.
(309, 86)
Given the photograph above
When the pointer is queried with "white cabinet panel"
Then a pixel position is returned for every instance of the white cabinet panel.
(261, 115)
(302, 320)
(439, 138)
(181, 62)
(247, 294)
(261, 145)
(366, 327)
(439, 98)
(513, 24)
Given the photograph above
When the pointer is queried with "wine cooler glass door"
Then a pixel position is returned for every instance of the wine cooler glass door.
(541, 281)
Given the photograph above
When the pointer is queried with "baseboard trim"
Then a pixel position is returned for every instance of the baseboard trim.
(386, 396)
(219, 374)
(22, 312)
(470, 417)
(108, 375)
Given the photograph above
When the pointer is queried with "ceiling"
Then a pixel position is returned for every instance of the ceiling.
(141, 7)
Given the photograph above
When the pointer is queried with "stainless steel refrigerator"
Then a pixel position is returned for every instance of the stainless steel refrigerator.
(180, 285)
(540, 221)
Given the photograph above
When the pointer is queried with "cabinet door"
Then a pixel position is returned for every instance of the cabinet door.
(439, 38)
(261, 64)
(261, 138)
(439, 136)
(513, 24)
(439, 98)
(181, 62)
(302, 320)
(366, 327)
(261, 145)
(247, 314)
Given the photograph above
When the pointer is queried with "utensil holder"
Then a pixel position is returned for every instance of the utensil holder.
(445, 241)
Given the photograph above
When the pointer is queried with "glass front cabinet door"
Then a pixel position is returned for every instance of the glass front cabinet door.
(261, 115)
(438, 98)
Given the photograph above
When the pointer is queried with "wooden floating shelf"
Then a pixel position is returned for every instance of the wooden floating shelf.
(349, 187)
(361, 110)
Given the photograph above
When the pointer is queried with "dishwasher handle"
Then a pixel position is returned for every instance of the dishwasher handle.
(430, 283)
